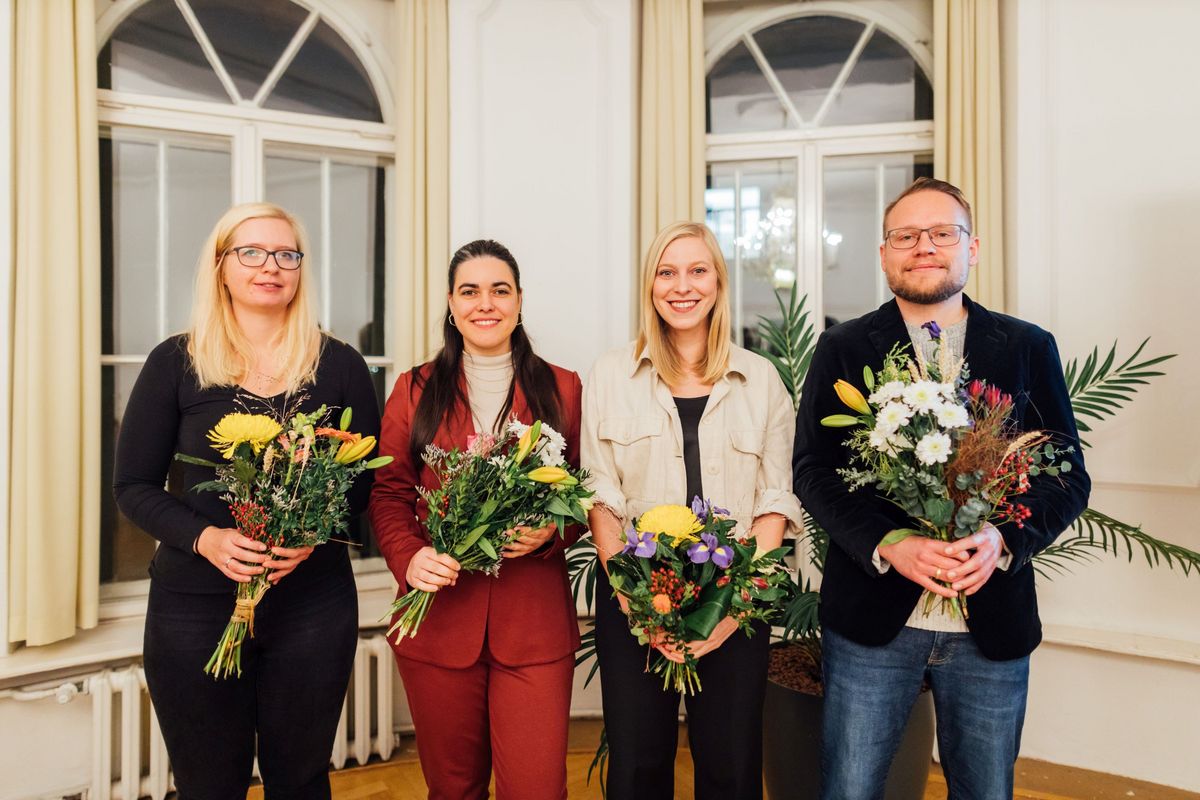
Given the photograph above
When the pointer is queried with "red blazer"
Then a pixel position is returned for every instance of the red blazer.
(527, 612)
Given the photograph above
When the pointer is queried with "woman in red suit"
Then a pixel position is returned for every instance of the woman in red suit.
(488, 678)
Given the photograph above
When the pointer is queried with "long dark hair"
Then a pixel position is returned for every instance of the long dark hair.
(442, 393)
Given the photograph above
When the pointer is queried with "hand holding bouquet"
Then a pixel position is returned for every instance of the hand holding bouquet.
(286, 486)
(683, 572)
(487, 491)
(942, 447)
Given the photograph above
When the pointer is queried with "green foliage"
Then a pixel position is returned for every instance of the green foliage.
(1099, 390)
(790, 342)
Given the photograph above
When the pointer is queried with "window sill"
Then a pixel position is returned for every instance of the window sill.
(117, 641)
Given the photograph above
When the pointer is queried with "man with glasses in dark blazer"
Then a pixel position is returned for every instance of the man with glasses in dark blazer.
(879, 644)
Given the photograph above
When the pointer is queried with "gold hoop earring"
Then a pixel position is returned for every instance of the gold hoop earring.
(452, 322)
(520, 317)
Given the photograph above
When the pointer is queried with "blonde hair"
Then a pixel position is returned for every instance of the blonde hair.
(220, 352)
(654, 337)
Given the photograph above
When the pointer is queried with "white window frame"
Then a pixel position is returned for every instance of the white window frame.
(251, 130)
(808, 145)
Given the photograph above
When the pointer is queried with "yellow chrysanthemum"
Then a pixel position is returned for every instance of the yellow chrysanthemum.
(677, 522)
(234, 429)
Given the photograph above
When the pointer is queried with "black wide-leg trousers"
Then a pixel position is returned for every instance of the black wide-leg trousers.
(641, 718)
(286, 703)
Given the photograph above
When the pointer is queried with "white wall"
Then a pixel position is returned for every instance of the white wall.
(1103, 198)
(542, 103)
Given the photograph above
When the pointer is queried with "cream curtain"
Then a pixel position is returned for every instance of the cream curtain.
(422, 177)
(967, 138)
(54, 519)
(671, 152)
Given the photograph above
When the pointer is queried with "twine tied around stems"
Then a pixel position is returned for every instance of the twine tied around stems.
(243, 609)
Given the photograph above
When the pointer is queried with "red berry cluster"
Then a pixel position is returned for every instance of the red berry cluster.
(1014, 512)
(251, 519)
(665, 581)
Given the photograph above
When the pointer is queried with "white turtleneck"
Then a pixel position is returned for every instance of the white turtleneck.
(488, 381)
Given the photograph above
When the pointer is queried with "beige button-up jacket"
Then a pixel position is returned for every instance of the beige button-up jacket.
(631, 440)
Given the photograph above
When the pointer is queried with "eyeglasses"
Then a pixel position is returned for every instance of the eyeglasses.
(256, 256)
(939, 236)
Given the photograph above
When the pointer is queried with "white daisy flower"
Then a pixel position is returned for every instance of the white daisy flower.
(922, 395)
(888, 444)
(892, 416)
(892, 390)
(952, 415)
(934, 448)
(948, 391)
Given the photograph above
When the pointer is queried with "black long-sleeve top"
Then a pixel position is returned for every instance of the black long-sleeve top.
(168, 413)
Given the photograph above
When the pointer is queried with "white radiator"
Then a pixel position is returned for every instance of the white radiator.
(366, 726)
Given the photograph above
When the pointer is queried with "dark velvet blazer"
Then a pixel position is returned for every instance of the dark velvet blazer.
(870, 608)
(527, 613)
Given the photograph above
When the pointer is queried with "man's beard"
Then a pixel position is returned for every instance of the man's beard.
(931, 296)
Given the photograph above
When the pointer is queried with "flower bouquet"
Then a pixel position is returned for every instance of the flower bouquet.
(683, 572)
(484, 493)
(942, 447)
(286, 486)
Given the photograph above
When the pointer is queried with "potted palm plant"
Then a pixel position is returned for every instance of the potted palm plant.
(792, 715)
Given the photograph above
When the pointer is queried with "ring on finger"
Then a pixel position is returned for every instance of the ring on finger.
(227, 562)
(938, 573)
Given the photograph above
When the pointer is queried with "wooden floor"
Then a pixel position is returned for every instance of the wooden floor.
(401, 779)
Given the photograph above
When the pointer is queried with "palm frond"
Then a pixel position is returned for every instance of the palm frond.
(587, 650)
(600, 760)
(1058, 558)
(581, 570)
(790, 341)
(1098, 389)
(1116, 537)
(800, 617)
(818, 541)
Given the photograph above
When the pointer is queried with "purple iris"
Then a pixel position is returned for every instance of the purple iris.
(701, 507)
(640, 544)
(722, 556)
(935, 332)
(702, 550)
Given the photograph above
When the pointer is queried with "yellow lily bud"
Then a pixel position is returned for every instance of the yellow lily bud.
(851, 396)
(549, 475)
(527, 441)
(350, 452)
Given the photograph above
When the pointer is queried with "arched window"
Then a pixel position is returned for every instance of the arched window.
(814, 121)
(207, 103)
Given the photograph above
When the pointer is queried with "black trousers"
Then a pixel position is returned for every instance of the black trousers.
(641, 718)
(294, 676)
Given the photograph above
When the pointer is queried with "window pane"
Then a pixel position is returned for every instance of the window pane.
(807, 53)
(125, 550)
(352, 263)
(132, 186)
(739, 98)
(249, 37)
(154, 52)
(326, 78)
(857, 189)
(751, 207)
(886, 85)
(199, 190)
(159, 197)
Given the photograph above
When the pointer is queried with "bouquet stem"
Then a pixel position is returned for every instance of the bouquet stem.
(683, 678)
(415, 607)
(227, 658)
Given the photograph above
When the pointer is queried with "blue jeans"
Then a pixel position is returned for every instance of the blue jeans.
(869, 692)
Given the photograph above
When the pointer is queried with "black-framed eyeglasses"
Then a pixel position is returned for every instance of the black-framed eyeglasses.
(939, 235)
(251, 256)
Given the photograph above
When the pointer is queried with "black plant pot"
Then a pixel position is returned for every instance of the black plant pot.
(792, 747)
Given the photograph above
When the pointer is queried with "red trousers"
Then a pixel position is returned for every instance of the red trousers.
(512, 719)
